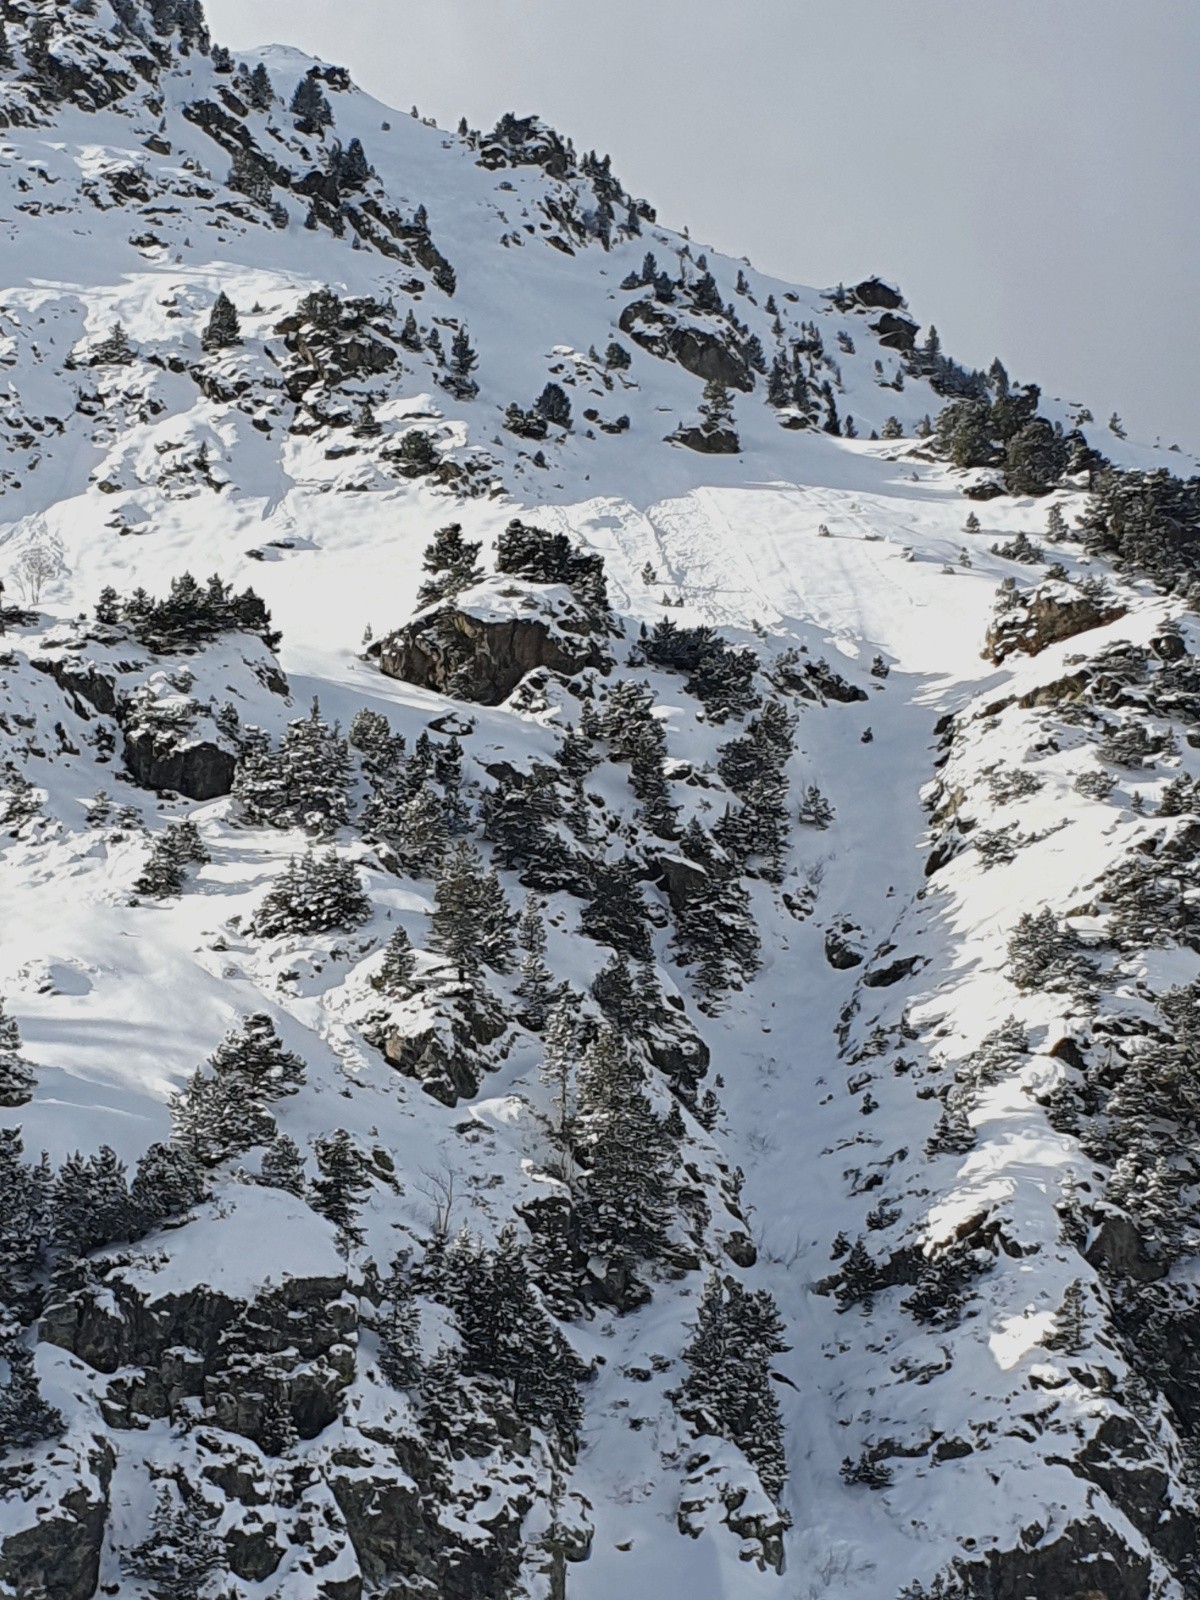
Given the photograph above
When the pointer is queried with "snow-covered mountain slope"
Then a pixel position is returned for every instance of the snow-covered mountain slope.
(806, 1205)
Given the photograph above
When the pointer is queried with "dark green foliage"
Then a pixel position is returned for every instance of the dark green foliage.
(165, 872)
(224, 1109)
(343, 1184)
(301, 784)
(310, 107)
(90, 1206)
(627, 1159)
(24, 1206)
(223, 327)
(964, 433)
(1070, 1322)
(1147, 522)
(1035, 458)
(410, 334)
(728, 1387)
(858, 1279)
(719, 674)
(415, 455)
(537, 989)
(520, 817)
(17, 1077)
(943, 1285)
(507, 1336)
(258, 91)
(714, 927)
(616, 357)
(182, 1554)
(351, 167)
(6, 55)
(471, 924)
(395, 978)
(540, 556)
(191, 614)
(314, 894)
(25, 1418)
(283, 1166)
(168, 1180)
(553, 404)
(451, 563)
(1021, 548)
(250, 175)
(399, 1330)
(1042, 954)
(525, 424)
(616, 914)
(716, 408)
(754, 766)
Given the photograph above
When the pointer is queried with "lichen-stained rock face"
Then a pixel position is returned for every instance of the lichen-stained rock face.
(480, 647)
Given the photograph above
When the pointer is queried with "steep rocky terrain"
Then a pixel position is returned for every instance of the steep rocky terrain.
(614, 1002)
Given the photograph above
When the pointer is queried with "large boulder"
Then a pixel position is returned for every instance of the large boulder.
(698, 350)
(482, 658)
(708, 441)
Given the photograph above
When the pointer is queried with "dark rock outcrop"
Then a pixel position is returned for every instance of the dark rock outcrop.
(697, 350)
(1045, 617)
(163, 1350)
(202, 771)
(896, 333)
(708, 441)
(440, 1040)
(473, 658)
(57, 1555)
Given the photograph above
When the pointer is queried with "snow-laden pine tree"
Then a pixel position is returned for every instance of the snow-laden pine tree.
(301, 784)
(223, 327)
(182, 1553)
(17, 1078)
(343, 1184)
(225, 1107)
(26, 1419)
(728, 1388)
(314, 894)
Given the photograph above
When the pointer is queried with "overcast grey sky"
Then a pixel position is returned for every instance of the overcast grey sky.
(1028, 171)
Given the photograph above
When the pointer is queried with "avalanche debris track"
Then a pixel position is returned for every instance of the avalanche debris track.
(614, 1001)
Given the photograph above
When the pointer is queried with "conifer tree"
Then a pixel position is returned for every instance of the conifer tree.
(626, 1155)
(25, 1418)
(342, 1186)
(223, 326)
(455, 925)
(182, 1554)
(616, 913)
(716, 408)
(728, 1387)
(259, 91)
(17, 1078)
(283, 1166)
(6, 55)
(24, 1230)
(399, 1330)
(314, 894)
(225, 1109)
(303, 783)
(410, 334)
(351, 166)
(1070, 1322)
(90, 1205)
(560, 1057)
(395, 977)
(536, 988)
(553, 404)
(167, 1181)
(165, 872)
(451, 562)
(310, 107)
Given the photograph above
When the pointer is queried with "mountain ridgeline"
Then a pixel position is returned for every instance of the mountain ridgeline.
(603, 979)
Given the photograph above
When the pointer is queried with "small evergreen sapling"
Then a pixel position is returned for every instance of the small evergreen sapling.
(396, 974)
(223, 328)
(283, 1166)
